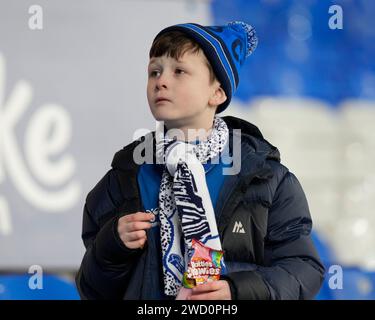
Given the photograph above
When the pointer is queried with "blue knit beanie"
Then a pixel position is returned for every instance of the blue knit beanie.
(226, 48)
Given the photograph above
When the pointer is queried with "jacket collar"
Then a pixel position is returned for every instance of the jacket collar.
(255, 150)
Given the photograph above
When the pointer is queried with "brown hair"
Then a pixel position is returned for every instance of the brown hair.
(175, 44)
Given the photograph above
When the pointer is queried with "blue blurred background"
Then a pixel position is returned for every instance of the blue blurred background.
(308, 87)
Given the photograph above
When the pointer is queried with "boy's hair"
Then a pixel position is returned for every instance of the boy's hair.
(175, 44)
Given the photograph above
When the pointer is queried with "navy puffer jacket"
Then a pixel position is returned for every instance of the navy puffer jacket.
(273, 258)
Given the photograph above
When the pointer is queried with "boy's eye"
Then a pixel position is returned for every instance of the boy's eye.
(154, 73)
(180, 71)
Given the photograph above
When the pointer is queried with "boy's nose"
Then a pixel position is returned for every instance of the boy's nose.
(162, 81)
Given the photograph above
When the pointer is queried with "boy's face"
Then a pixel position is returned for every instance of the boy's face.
(180, 93)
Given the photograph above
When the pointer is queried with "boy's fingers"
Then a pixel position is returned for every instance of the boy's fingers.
(135, 235)
(206, 287)
(134, 226)
(139, 242)
(138, 216)
(136, 244)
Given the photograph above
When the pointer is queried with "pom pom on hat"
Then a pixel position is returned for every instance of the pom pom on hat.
(252, 39)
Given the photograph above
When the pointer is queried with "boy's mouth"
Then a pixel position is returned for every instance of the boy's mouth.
(160, 99)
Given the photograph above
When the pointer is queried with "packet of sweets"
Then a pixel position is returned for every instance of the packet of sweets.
(204, 266)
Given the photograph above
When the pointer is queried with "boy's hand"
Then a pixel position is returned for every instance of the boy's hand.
(216, 290)
(131, 229)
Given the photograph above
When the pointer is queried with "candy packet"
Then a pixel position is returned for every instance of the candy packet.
(205, 265)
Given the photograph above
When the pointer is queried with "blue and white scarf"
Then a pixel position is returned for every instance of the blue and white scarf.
(185, 207)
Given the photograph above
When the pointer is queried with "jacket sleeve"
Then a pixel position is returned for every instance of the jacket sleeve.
(107, 262)
(292, 268)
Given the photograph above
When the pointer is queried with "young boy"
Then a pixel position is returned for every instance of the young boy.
(140, 219)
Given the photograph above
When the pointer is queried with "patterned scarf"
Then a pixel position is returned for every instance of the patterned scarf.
(185, 207)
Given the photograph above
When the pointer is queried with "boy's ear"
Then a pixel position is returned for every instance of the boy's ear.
(218, 97)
